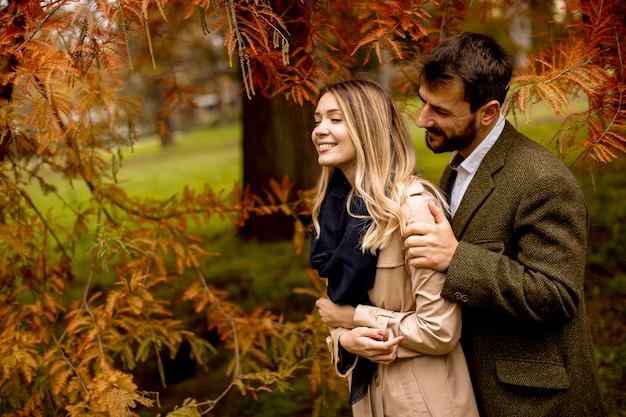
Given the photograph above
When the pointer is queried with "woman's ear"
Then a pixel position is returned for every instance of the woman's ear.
(489, 113)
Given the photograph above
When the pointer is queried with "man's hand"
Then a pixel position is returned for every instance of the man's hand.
(377, 345)
(336, 315)
(431, 245)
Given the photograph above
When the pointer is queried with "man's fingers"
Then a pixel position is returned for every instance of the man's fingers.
(416, 229)
(437, 212)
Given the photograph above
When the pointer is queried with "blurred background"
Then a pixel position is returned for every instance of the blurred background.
(184, 120)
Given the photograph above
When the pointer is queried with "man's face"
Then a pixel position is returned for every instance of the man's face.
(446, 116)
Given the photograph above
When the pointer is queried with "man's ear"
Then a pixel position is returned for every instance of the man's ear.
(489, 113)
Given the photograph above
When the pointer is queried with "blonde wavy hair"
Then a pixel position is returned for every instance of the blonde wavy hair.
(384, 162)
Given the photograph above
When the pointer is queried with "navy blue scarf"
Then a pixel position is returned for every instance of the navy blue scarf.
(337, 256)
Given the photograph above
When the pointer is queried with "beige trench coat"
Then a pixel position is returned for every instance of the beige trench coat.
(430, 376)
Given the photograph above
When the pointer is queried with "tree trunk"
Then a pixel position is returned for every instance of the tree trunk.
(164, 126)
(276, 142)
(520, 31)
(277, 135)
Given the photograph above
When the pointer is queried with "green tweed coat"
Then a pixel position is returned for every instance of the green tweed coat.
(518, 272)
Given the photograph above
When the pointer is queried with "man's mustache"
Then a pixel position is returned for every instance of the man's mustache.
(434, 130)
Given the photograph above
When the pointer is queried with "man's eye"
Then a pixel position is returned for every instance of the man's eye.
(439, 110)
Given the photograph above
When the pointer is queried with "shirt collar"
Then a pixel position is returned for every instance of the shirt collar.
(471, 163)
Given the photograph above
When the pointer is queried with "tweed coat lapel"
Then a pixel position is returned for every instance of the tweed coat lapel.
(482, 184)
(447, 179)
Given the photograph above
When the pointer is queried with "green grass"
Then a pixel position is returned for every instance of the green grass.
(200, 156)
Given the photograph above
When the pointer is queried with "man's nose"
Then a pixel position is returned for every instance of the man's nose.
(425, 118)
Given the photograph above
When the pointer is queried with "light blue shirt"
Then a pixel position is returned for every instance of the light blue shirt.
(467, 168)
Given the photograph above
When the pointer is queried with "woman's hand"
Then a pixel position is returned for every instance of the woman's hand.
(377, 345)
(336, 315)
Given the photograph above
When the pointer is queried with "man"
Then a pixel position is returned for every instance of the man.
(514, 253)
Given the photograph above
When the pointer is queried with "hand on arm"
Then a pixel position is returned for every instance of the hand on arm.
(335, 315)
(377, 345)
(431, 245)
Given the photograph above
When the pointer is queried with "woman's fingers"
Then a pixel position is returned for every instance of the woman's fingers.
(374, 344)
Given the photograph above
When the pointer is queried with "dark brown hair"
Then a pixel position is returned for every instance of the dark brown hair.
(477, 60)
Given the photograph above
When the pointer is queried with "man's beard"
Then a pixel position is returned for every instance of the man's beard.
(455, 142)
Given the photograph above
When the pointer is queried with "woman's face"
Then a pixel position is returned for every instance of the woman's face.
(331, 138)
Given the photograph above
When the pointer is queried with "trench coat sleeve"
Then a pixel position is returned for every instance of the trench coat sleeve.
(433, 327)
(343, 360)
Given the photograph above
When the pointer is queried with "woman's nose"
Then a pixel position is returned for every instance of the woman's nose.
(320, 130)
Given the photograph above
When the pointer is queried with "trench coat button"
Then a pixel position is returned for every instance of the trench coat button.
(329, 344)
(377, 380)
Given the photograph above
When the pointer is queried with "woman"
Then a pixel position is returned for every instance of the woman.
(390, 331)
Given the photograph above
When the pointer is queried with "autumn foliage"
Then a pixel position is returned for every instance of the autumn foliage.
(590, 64)
(68, 344)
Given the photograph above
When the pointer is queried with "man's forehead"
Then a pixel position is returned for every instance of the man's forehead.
(450, 93)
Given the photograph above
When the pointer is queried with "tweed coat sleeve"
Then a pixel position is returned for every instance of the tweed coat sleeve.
(522, 230)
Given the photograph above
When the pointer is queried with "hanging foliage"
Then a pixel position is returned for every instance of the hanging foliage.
(589, 64)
